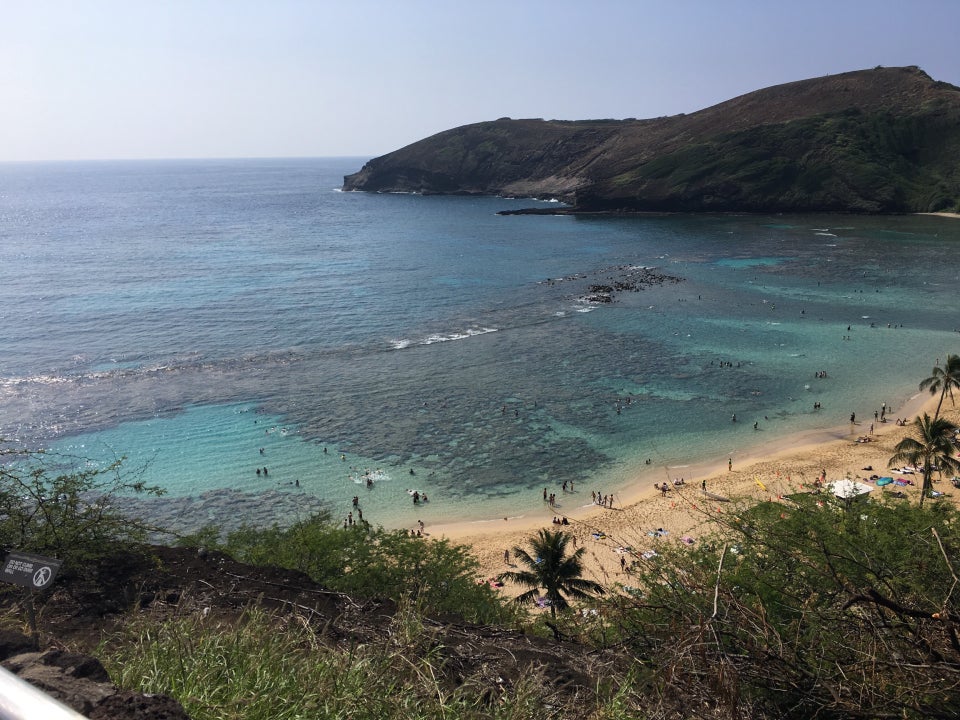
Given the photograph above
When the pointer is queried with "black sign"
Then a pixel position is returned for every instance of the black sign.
(32, 571)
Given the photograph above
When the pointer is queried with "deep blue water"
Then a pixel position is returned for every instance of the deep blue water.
(187, 314)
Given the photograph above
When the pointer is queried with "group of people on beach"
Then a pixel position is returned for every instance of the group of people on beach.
(602, 500)
(551, 498)
(664, 487)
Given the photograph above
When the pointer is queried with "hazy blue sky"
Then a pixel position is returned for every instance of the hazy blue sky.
(231, 78)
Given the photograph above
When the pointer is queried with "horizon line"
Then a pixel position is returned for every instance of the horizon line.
(185, 159)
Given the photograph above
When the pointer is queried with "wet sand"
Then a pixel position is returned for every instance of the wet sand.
(782, 467)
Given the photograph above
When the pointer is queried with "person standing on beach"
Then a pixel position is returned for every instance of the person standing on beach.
(729, 464)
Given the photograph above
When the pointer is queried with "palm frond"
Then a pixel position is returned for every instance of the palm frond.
(551, 568)
(530, 596)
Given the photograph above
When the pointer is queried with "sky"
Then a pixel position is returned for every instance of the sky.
(130, 79)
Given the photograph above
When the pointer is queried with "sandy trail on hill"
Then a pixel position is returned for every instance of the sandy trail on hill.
(787, 466)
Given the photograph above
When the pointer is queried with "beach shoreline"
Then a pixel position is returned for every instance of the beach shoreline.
(643, 517)
(942, 214)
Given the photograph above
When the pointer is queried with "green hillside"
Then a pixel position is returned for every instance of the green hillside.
(872, 141)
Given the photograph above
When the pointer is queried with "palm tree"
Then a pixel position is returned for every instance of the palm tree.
(933, 446)
(549, 567)
(943, 380)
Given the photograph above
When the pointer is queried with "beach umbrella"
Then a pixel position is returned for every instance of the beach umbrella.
(848, 488)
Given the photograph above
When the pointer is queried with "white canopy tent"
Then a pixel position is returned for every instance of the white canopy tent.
(848, 488)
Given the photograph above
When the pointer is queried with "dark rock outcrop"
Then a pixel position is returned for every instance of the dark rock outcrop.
(81, 683)
(882, 140)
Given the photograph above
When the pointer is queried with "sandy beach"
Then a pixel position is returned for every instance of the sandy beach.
(785, 466)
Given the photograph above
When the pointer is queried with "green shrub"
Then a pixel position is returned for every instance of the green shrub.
(50, 508)
(436, 575)
(843, 609)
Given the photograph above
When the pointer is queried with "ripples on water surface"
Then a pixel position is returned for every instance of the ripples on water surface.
(187, 314)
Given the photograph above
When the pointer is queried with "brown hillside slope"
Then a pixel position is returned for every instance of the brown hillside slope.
(882, 140)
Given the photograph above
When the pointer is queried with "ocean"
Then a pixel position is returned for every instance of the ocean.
(208, 319)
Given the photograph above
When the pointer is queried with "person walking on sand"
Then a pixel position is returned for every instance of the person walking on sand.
(506, 557)
(729, 464)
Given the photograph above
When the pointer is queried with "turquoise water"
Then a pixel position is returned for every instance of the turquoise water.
(187, 314)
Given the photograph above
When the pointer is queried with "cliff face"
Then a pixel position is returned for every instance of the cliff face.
(882, 140)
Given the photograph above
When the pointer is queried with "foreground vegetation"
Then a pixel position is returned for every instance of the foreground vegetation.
(817, 607)
(268, 667)
(434, 577)
(49, 507)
